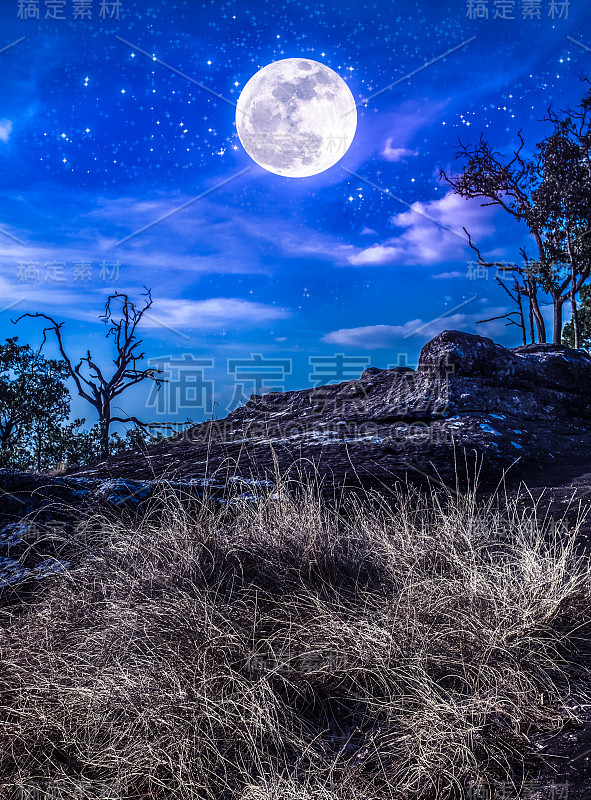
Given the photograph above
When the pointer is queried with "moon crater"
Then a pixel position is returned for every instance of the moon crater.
(296, 117)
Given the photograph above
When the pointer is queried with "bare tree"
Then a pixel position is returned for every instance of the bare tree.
(96, 388)
(550, 193)
(516, 296)
(524, 285)
(505, 184)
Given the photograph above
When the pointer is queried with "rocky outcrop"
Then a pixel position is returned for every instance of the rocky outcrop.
(526, 410)
(469, 403)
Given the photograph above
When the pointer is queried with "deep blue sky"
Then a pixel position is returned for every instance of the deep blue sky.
(97, 140)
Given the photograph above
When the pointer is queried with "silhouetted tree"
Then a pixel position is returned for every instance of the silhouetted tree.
(508, 184)
(551, 193)
(98, 389)
(570, 197)
(33, 399)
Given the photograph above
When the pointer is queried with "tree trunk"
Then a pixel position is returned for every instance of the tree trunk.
(573, 293)
(532, 336)
(533, 298)
(531, 323)
(573, 305)
(105, 423)
(534, 284)
(521, 317)
(557, 319)
(575, 321)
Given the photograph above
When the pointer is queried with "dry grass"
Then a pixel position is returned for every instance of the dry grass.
(287, 650)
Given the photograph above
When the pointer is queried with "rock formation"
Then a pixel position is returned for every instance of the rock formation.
(470, 404)
(526, 410)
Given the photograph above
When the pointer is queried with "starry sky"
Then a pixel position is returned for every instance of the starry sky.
(112, 118)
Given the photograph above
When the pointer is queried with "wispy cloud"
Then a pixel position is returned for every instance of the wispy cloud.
(5, 129)
(423, 242)
(441, 276)
(82, 300)
(209, 238)
(391, 153)
(36, 297)
(213, 313)
(213, 238)
(374, 337)
(396, 129)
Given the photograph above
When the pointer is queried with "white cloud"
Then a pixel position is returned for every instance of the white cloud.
(432, 233)
(5, 129)
(444, 275)
(373, 337)
(210, 314)
(37, 296)
(83, 301)
(396, 153)
(393, 132)
(376, 254)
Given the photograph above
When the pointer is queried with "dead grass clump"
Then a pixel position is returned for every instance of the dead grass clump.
(287, 650)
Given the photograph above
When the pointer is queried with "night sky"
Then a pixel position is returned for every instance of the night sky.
(99, 140)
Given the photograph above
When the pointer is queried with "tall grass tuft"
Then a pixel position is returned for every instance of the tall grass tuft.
(294, 650)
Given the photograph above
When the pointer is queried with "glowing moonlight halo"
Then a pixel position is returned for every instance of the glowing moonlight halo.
(296, 117)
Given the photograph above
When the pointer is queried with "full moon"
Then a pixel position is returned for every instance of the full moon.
(296, 117)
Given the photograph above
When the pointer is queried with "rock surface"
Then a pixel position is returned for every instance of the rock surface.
(526, 410)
